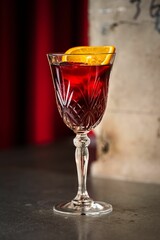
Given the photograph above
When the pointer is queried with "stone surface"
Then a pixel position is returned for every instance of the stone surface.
(131, 125)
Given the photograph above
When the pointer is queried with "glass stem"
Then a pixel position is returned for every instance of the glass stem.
(81, 141)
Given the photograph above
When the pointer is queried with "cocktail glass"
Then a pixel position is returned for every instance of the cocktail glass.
(81, 91)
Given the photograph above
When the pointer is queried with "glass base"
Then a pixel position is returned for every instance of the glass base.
(96, 208)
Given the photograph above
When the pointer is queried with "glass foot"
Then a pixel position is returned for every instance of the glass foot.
(96, 208)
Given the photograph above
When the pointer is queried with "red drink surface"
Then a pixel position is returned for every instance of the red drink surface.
(81, 93)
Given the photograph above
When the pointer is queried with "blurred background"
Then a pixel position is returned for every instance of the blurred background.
(28, 31)
(129, 134)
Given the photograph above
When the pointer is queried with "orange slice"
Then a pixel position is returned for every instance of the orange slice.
(92, 55)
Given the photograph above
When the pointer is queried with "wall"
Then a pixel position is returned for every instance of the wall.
(128, 137)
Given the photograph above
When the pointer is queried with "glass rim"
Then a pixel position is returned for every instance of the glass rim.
(78, 54)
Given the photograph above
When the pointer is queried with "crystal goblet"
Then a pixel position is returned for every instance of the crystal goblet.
(81, 91)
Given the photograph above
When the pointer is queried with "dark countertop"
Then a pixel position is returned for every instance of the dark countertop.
(33, 179)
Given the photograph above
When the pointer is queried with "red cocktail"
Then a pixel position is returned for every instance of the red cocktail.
(81, 92)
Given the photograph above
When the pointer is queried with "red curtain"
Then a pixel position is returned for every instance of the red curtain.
(28, 31)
